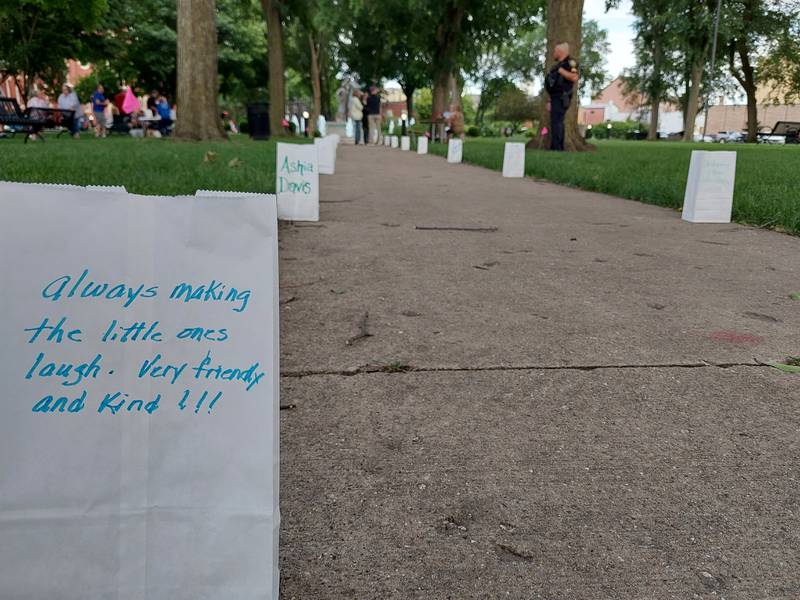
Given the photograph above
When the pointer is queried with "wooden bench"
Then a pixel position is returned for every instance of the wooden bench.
(12, 115)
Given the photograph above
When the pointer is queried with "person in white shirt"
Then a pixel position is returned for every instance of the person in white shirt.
(357, 114)
(38, 101)
(68, 100)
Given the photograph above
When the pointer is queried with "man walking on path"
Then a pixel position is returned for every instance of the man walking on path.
(374, 112)
(559, 84)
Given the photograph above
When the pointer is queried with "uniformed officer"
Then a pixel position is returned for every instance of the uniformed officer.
(559, 84)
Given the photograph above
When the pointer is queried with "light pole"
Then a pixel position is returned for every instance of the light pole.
(713, 64)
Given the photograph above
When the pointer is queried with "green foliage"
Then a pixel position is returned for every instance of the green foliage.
(619, 130)
(516, 106)
(137, 43)
(36, 36)
(102, 75)
(473, 131)
(423, 103)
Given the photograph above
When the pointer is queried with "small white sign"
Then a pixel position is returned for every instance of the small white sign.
(422, 145)
(326, 154)
(514, 159)
(139, 422)
(405, 143)
(297, 182)
(454, 150)
(709, 187)
(395, 141)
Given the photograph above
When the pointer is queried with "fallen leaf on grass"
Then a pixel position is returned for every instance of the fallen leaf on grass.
(234, 162)
(209, 156)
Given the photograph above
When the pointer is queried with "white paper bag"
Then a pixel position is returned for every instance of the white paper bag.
(395, 141)
(405, 143)
(297, 182)
(454, 150)
(326, 154)
(422, 145)
(709, 187)
(514, 159)
(160, 491)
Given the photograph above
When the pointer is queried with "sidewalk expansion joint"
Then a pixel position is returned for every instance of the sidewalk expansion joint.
(395, 370)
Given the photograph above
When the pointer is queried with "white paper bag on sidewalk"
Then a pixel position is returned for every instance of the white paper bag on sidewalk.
(514, 159)
(297, 182)
(709, 187)
(136, 476)
(422, 145)
(326, 154)
(455, 149)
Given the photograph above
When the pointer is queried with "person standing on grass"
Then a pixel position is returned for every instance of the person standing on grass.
(374, 112)
(68, 100)
(99, 103)
(559, 84)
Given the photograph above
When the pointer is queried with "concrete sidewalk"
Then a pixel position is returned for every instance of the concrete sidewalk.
(559, 397)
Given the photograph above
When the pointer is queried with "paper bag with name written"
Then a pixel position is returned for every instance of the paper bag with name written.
(139, 414)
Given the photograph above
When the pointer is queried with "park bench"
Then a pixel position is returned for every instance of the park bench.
(17, 120)
(788, 130)
(56, 120)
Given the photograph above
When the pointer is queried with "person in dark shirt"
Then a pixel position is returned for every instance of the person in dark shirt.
(374, 112)
(365, 118)
(559, 84)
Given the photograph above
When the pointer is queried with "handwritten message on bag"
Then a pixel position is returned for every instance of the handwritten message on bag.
(139, 422)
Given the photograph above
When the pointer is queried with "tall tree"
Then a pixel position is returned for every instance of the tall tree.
(694, 34)
(198, 87)
(652, 44)
(564, 23)
(755, 30)
(277, 75)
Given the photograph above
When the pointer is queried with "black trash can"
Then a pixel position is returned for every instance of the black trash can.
(258, 120)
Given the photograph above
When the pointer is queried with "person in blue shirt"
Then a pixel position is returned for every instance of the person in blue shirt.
(163, 108)
(99, 103)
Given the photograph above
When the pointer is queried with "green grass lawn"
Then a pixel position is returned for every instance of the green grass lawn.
(143, 166)
(767, 190)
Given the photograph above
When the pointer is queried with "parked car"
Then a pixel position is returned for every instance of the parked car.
(702, 138)
(729, 137)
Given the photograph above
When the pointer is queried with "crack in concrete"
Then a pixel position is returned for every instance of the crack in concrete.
(369, 370)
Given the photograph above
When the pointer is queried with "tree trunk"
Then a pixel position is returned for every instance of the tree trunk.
(277, 93)
(316, 85)
(409, 92)
(453, 92)
(564, 22)
(440, 81)
(655, 114)
(655, 99)
(198, 87)
(749, 84)
(448, 33)
(693, 98)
